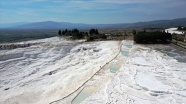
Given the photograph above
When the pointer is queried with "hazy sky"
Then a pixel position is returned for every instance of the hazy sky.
(90, 11)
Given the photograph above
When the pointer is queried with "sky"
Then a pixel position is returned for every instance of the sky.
(90, 11)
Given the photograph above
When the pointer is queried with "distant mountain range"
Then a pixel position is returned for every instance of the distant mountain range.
(67, 25)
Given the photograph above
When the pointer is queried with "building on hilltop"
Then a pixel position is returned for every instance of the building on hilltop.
(177, 34)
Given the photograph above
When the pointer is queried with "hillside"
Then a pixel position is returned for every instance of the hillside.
(64, 25)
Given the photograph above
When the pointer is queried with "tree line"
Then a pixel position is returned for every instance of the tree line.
(152, 37)
(181, 28)
(76, 34)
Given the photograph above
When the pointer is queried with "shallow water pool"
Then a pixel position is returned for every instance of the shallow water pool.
(85, 93)
(128, 46)
(114, 68)
(125, 53)
(176, 53)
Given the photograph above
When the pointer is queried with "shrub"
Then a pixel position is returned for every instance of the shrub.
(152, 37)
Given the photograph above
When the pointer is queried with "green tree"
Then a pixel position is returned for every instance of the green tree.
(96, 31)
(179, 27)
(144, 30)
(66, 30)
(93, 31)
(134, 32)
(63, 32)
(75, 31)
(152, 37)
(59, 33)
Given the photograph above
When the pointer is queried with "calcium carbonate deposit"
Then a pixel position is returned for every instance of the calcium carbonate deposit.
(47, 72)
(147, 76)
(102, 72)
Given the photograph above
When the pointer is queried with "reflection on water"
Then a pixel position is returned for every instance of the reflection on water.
(125, 53)
(172, 51)
(114, 68)
(86, 92)
(128, 46)
(169, 53)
